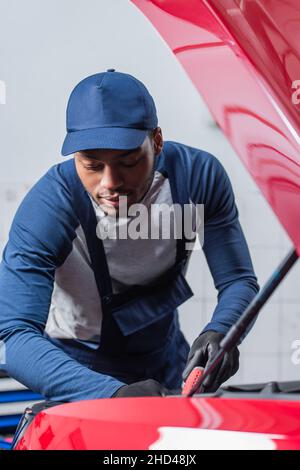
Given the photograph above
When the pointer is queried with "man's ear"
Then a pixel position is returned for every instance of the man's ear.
(158, 141)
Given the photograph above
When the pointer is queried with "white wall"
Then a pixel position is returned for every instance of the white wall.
(45, 49)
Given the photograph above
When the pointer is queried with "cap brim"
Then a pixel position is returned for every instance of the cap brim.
(105, 137)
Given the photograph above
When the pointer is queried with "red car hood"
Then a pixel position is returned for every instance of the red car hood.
(244, 59)
(166, 423)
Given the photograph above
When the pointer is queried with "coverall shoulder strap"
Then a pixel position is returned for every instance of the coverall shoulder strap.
(174, 166)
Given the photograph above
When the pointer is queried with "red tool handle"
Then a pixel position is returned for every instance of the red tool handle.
(192, 380)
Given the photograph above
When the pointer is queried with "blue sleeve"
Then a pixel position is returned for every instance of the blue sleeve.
(40, 239)
(225, 247)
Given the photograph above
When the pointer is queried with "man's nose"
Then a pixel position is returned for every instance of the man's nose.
(111, 179)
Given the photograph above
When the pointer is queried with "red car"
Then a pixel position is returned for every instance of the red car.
(243, 56)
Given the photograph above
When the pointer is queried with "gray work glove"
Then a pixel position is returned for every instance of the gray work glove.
(202, 352)
(144, 388)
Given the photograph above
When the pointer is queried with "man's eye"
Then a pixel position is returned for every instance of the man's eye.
(93, 168)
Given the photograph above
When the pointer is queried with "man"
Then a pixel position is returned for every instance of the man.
(85, 316)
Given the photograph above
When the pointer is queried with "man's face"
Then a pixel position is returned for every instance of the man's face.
(108, 174)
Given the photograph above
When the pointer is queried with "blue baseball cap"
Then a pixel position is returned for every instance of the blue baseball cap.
(110, 110)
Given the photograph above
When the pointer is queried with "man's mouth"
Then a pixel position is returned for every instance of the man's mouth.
(113, 200)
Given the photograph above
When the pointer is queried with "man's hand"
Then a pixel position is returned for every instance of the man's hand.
(201, 354)
(144, 388)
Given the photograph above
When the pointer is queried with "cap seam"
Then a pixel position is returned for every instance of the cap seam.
(109, 127)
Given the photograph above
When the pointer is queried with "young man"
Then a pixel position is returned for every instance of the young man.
(84, 315)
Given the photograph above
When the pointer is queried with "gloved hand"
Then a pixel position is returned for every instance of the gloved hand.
(144, 388)
(202, 352)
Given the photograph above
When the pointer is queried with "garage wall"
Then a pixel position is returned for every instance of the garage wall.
(45, 49)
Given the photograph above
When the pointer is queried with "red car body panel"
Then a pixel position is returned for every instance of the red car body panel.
(243, 57)
(144, 423)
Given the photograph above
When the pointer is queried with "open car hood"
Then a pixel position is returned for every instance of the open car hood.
(244, 59)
